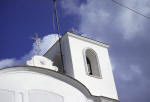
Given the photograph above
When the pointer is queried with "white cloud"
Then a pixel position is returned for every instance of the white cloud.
(97, 15)
(133, 72)
(7, 62)
(136, 69)
(130, 22)
(46, 43)
(93, 18)
(70, 6)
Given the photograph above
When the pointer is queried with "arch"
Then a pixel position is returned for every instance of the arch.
(7, 95)
(39, 95)
(92, 63)
(58, 62)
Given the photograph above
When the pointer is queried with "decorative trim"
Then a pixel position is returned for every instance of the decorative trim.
(10, 91)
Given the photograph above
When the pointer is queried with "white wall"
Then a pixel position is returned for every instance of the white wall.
(98, 87)
(19, 86)
(66, 54)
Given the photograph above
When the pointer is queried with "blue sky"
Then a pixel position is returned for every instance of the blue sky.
(127, 33)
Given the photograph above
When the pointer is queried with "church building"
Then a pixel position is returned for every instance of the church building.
(79, 72)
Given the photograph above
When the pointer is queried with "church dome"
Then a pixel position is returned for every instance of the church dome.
(35, 84)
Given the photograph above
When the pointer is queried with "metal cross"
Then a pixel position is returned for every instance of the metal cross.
(37, 42)
(73, 30)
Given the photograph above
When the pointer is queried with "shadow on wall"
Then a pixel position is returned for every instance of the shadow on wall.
(58, 62)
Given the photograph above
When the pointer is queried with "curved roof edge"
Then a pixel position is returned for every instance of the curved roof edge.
(65, 78)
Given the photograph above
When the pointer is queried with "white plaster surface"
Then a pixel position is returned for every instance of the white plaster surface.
(26, 86)
(41, 61)
(104, 86)
(66, 55)
(6, 96)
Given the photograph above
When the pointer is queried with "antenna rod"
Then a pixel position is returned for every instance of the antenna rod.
(55, 10)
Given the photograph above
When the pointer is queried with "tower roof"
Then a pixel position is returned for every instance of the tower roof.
(69, 34)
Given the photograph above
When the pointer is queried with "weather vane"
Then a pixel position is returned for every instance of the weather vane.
(37, 43)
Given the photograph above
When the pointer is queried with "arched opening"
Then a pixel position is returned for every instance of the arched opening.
(89, 66)
(92, 63)
(58, 62)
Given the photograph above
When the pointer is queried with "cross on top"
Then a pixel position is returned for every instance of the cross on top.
(37, 42)
(73, 30)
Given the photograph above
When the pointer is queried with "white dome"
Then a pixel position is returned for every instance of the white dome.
(29, 84)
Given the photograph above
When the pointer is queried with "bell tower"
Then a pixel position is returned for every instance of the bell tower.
(87, 61)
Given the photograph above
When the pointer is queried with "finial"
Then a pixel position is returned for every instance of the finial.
(37, 42)
(73, 30)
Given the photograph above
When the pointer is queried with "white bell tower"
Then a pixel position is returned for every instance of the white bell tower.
(87, 61)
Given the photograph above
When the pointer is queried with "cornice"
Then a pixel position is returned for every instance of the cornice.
(87, 39)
